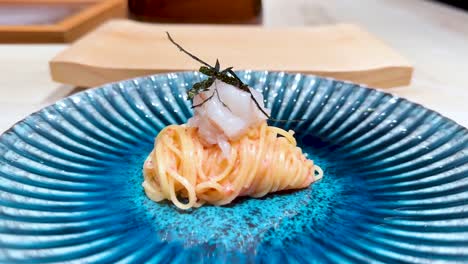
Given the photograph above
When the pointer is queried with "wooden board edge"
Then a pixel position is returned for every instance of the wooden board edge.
(66, 30)
(32, 34)
(389, 77)
(89, 12)
(92, 76)
(92, 18)
(46, 1)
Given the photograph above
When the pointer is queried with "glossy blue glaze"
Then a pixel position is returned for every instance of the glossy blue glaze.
(395, 187)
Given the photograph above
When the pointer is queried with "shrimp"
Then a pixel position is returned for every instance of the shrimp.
(227, 114)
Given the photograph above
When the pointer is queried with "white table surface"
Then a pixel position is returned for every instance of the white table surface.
(432, 36)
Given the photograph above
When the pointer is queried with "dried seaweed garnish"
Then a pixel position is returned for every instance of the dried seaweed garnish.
(214, 73)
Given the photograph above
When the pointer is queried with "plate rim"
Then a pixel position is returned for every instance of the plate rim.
(356, 86)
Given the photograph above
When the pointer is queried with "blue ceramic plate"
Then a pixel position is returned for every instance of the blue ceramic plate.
(395, 187)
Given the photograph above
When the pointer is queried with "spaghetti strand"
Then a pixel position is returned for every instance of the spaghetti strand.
(188, 173)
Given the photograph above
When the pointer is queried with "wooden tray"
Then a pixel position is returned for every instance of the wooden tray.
(36, 21)
(123, 49)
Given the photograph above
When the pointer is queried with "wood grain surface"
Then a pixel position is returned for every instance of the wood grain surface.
(123, 49)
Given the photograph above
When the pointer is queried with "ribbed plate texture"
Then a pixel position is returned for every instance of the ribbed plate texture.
(395, 187)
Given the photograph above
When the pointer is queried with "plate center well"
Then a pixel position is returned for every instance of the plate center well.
(325, 210)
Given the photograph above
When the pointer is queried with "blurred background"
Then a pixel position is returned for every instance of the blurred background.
(46, 21)
(456, 3)
(43, 12)
(212, 11)
(432, 35)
